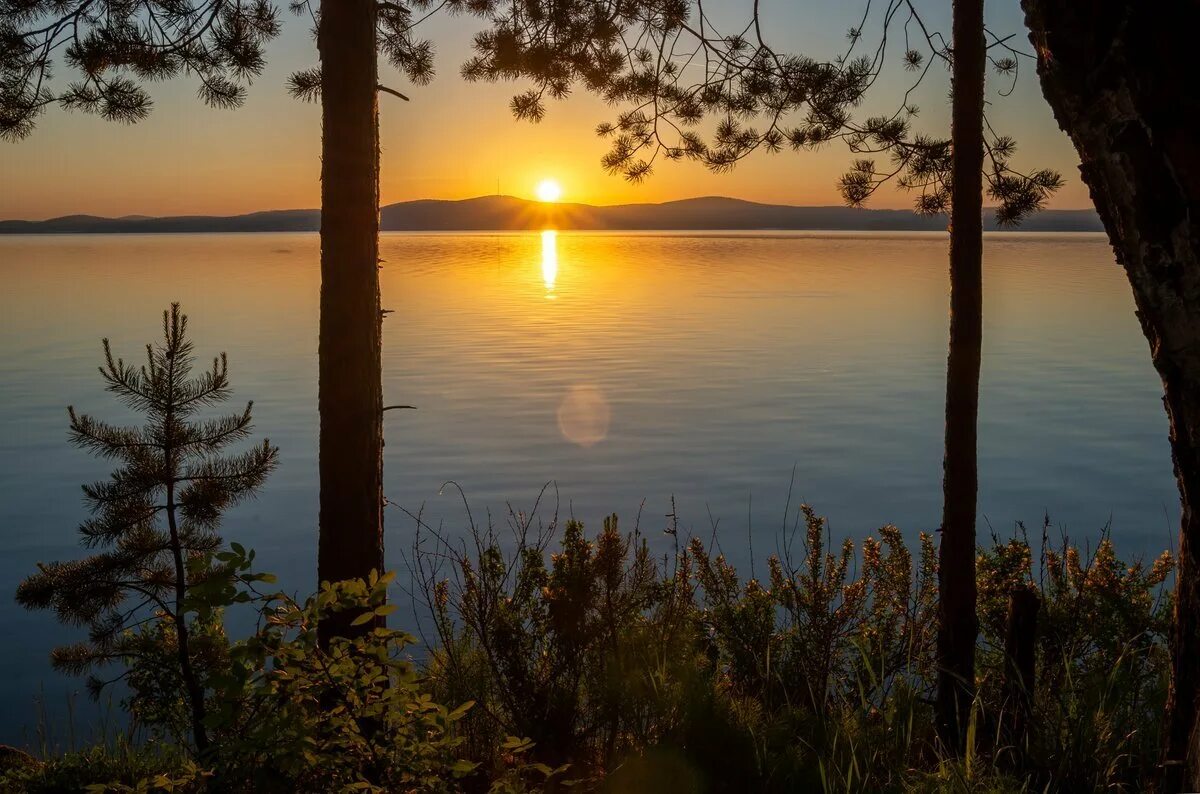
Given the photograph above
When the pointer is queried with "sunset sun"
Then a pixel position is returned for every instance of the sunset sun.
(549, 190)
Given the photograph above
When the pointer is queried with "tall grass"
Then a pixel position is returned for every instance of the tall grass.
(637, 670)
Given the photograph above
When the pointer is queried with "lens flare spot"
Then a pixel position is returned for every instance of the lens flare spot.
(584, 416)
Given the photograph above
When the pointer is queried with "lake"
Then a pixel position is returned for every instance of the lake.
(625, 369)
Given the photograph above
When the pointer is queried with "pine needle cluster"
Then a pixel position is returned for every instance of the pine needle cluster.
(114, 47)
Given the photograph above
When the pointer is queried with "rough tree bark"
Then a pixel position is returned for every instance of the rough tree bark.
(958, 625)
(350, 545)
(1120, 77)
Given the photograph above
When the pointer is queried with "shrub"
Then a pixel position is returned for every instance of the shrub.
(623, 665)
(587, 656)
(1102, 659)
(646, 674)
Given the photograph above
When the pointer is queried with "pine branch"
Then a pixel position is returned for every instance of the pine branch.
(104, 439)
(214, 434)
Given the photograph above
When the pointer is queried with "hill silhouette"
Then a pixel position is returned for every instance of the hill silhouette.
(507, 213)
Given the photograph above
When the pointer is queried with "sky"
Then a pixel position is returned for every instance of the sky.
(459, 140)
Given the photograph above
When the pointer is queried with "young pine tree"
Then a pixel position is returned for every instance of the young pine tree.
(154, 521)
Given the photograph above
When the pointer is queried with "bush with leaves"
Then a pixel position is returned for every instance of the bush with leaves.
(290, 715)
(644, 672)
(285, 714)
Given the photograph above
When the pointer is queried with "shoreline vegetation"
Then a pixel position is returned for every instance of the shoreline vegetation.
(560, 659)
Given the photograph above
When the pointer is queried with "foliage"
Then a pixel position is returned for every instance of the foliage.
(117, 765)
(835, 646)
(676, 672)
(156, 519)
(115, 47)
(1102, 658)
(690, 87)
(574, 655)
(618, 664)
(289, 715)
(668, 673)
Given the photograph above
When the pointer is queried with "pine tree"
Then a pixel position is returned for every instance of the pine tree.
(155, 520)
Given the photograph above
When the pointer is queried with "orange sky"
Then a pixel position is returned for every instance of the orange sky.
(454, 140)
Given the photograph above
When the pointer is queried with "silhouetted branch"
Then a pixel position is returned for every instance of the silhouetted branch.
(391, 91)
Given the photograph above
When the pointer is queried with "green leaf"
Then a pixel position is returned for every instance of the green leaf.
(515, 743)
(458, 713)
(462, 767)
(365, 617)
(385, 610)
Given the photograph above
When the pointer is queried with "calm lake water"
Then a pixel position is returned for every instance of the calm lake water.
(627, 369)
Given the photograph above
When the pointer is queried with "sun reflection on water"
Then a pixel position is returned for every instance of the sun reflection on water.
(549, 260)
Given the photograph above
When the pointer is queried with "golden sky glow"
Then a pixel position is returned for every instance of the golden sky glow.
(189, 159)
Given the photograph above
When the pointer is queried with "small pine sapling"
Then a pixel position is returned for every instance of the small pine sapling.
(154, 522)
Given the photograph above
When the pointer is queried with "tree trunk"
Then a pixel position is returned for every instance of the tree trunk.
(958, 626)
(183, 649)
(1020, 667)
(351, 402)
(1120, 77)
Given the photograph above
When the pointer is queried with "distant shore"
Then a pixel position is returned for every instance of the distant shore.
(507, 213)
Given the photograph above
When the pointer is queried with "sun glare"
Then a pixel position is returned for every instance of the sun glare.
(549, 190)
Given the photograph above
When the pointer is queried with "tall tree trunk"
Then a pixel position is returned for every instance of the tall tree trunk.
(956, 573)
(351, 402)
(1120, 77)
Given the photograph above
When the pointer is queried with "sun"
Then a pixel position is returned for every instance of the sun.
(549, 190)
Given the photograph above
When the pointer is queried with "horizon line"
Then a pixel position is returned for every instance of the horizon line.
(142, 216)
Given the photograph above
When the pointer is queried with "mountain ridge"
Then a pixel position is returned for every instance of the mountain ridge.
(508, 213)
